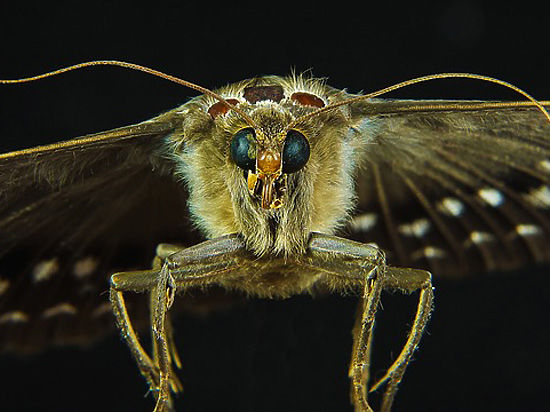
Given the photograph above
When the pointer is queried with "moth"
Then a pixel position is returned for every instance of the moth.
(271, 171)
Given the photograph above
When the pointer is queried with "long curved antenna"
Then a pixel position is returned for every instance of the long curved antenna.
(420, 80)
(140, 68)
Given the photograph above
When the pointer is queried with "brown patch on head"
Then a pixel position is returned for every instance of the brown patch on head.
(258, 93)
(308, 99)
(219, 108)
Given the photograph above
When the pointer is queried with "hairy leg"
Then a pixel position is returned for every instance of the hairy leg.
(350, 264)
(130, 281)
(406, 281)
(198, 266)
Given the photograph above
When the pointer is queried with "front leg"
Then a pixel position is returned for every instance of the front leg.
(406, 281)
(352, 265)
(199, 266)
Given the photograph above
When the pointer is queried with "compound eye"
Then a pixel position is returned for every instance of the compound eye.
(243, 149)
(295, 151)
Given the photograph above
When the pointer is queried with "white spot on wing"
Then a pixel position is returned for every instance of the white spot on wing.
(491, 196)
(429, 252)
(417, 228)
(15, 316)
(85, 267)
(451, 206)
(364, 222)
(539, 197)
(545, 165)
(44, 270)
(477, 238)
(528, 230)
(4, 285)
(60, 309)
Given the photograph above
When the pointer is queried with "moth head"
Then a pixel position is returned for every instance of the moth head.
(266, 163)
(262, 173)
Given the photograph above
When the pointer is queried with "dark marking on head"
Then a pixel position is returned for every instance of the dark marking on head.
(259, 93)
(219, 108)
(308, 99)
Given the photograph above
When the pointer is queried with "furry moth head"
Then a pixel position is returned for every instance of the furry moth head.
(271, 183)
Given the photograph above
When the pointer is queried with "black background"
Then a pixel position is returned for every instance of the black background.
(488, 342)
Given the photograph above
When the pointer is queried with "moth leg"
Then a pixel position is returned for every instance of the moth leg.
(154, 372)
(163, 252)
(157, 372)
(162, 298)
(133, 281)
(406, 281)
(198, 266)
(175, 359)
(350, 264)
(359, 364)
(356, 333)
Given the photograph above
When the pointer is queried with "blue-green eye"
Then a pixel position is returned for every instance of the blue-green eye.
(295, 152)
(243, 150)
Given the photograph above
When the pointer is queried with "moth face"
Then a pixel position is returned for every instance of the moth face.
(268, 151)
(266, 163)
(270, 179)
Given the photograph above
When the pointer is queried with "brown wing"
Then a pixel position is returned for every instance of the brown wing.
(455, 191)
(70, 215)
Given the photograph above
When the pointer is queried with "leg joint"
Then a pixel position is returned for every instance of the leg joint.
(375, 268)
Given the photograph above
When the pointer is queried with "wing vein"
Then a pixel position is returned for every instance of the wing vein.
(454, 244)
(386, 213)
